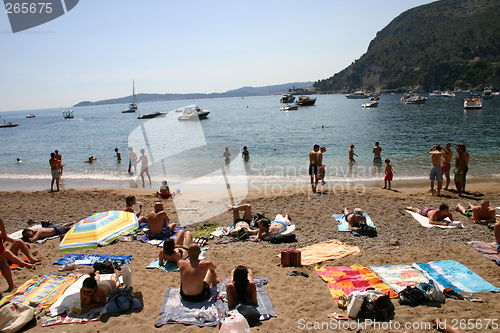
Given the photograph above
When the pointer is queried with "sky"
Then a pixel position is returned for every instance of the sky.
(95, 50)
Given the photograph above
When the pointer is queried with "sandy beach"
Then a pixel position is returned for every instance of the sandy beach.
(297, 300)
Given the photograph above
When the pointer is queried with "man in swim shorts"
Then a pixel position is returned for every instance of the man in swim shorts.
(377, 159)
(55, 170)
(32, 235)
(197, 276)
(436, 170)
(446, 166)
(436, 216)
(314, 165)
(482, 214)
(158, 223)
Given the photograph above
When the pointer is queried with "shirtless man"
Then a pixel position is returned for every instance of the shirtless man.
(267, 229)
(446, 166)
(32, 235)
(197, 276)
(377, 159)
(158, 223)
(132, 159)
(241, 222)
(482, 214)
(436, 216)
(352, 154)
(436, 171)
(314, 165)
(144, 166)
(59, 157)
(461, 162)
(55, 166)
(354, 218)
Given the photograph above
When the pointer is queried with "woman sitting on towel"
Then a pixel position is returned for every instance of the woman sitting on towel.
(174, 251)
(94, 292)
(277, 226)
(241, 287)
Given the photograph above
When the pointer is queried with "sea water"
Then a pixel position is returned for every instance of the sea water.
(279, 142)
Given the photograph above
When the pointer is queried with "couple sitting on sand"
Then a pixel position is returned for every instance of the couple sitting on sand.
(241, 224)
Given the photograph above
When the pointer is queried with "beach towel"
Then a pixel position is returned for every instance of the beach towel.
(450, 273)
(90, 259)
(424, 221)
(489, 250)
(398, 277)
(14, 266)
(329, 250)
(42, 291)
(342, 280)
(204, 230)
(170, 266)
(159, 242)
(264, 304)
(344, 226)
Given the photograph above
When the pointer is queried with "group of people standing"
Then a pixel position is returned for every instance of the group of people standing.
(441, 165)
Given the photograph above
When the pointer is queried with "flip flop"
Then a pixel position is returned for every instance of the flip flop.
(297, 273)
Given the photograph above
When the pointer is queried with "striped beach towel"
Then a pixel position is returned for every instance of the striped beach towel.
(398, 277)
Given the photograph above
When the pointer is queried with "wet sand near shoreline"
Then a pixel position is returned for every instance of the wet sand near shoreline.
(300, 302)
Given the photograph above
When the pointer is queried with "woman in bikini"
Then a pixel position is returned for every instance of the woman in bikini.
(278, 226)
(94, 292)
(241, 287)
(173, 251)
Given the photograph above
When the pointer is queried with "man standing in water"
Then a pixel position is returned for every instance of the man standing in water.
(314, 165)
(446, 166)
(59, 157)
(377, 159)
(436, 170)
(55, 166)
(144, 166)
(461, 167)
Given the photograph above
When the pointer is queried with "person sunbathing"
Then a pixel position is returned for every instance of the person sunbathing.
(482, 214)
(436, 216)
(268, 228)
(164, 191)
(32, 235)
(241, 287)
(241, 223)
(354, 219)
(130, 201)
(158, 223)
(94, 292)
(173, 251)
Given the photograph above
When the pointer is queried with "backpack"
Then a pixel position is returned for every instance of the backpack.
(105, 267)
(366, 230)
(280, 238)
(123, 298)
(377, 305)
(432, 292)
(411, 296)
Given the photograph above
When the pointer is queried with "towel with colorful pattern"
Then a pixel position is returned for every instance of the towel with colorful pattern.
(329, 250)
(489, 250)
(398, 277)
(342, 280)
(450, 273)
(90, 259)
(42, 291)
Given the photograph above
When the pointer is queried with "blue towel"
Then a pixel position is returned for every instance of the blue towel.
(69, 258)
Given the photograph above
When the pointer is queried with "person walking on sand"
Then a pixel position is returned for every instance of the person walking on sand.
(144, 166)
(132, 159)
(322, 167)
(446, 166)
(389, 171)
(55, 166)
(314, 165)
(197, 276)
(377, 159)
(118, 155)
(436, 173)
(351, 154)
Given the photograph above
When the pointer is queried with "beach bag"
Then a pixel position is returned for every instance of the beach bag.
(235, 323)
(432, 292)
(377, 305)
(251, 314)
(14, 315)
(105, 267)
(291, 258)
(411, 296)
(366, 230)
(354, 302)
(123, 298)
(280, 238)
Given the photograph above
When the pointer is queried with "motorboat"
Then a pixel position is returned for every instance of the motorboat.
(152, 115)
(487, 93)
(290, 107)
(356, 95)
(287, 98)
(410, 98)
(435, 93)
(473, 101)
(370, 104)
(31, 115)
(9, 124)
(449, 94)
(132, 107)
(68, 114)
(192, 112)
(305, 100)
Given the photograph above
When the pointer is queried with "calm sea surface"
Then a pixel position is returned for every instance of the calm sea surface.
(279, 142)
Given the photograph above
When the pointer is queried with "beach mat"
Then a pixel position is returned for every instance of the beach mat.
(204, 230)
(424, 221)
(344, 226)
(42, 291)
(170, 266)
(329, 250)
(489, 250)
(398, 277)
(342, 280)
(450, 273)
(90, 259)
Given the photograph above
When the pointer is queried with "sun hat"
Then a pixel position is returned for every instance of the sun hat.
(358, 212)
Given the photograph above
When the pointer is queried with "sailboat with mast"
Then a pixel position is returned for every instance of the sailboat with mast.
(132, 107)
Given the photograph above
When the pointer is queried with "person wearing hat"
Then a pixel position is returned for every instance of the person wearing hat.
(354, 218)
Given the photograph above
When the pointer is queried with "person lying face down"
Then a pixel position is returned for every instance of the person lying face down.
(354, 219)
(267, 228)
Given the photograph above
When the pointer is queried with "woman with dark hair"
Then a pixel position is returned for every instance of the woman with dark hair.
(241, 287)
(174, 251)
(94, 292)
